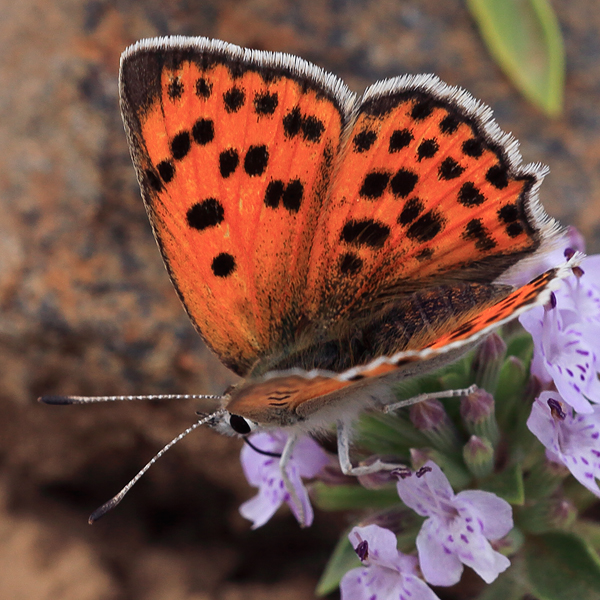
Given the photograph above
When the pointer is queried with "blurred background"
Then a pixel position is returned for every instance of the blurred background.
(86, 306)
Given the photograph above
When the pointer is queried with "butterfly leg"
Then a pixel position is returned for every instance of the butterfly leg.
(289, 486)
(343, 443)
(429, 396)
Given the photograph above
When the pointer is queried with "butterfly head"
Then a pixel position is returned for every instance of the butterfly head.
(231, 424)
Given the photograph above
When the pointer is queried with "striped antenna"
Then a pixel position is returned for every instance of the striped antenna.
(92, 399)
(99, 512)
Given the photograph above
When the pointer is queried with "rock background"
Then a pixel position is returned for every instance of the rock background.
(87, 308)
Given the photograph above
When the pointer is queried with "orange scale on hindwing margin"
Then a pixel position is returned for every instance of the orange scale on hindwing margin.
(234, 166)
(527, 295)
(422, 191)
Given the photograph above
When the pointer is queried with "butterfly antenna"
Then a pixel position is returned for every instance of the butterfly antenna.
(93, 399)
(99, 512)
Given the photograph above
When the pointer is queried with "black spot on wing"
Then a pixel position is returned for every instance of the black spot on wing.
(469, 195)
(256, 160)
(234, 99)
(426, 227)
(366, 232)
(422, 108)
(427, 149)
(292, 195)
(266, 103)
(180, 145)
(364, 140)
(205, 214)
(310, 127)
(497, 176)
(477, 232)
(228, 162)
(374, 185)
(473, 147)
(223, 265)
(166, 170)
(203, 131)
(203, 88)
(449, 124)
(404, 182)
(175, 89)
(411, 210)
(400, 139)
(273, 193)
(450, 169)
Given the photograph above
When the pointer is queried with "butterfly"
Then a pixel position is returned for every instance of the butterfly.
(325, 245)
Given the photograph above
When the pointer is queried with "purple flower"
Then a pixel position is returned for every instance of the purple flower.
(263, 472)
(571, 439)
(564, 351)
(458, 526)
(536, 265)
(580, 294)
(386, 574)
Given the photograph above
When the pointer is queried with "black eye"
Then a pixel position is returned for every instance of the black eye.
(239, 424)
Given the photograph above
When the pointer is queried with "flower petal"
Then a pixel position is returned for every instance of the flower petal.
(382, 545)
(493, 514)
(424, 493)
(260, 508)
(439, 565)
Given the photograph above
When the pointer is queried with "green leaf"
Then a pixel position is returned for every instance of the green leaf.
(562, 566)
(350, 497)
(507, 484)
(342, 560)
(524, 38)
(589, 531)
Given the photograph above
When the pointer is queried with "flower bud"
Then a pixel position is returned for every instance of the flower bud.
(479, 456)
(511, 543)
(488, 362)
(477, 411)
(548, 514)
(543, 479)
(511, 387)
(431, 419)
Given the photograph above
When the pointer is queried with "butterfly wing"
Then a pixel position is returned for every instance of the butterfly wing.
(286, 397)
(234, 151)
(429, 192)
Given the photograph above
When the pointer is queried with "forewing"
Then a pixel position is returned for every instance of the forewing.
(429, 192)
(234, 151)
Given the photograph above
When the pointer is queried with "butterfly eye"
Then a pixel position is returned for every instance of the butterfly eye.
(239, 425)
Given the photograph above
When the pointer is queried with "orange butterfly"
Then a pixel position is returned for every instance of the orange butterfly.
(324, 245)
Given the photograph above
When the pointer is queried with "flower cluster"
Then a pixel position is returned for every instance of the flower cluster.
(566, 359)
(479, 446)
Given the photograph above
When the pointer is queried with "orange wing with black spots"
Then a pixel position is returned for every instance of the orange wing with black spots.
(429, 191)
(303, 229)
(234, 152)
